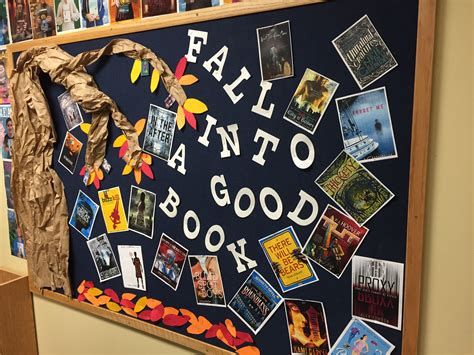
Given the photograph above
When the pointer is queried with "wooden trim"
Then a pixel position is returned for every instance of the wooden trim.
(418, 168)
(131, 322)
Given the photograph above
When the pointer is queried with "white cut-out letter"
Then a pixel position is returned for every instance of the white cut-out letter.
(294, 215)
(241, 256)
(268, 191)
(226, 140)
(225, 199)
(266, 137)
(301, 138)
(172, 201)
(195, 46)
(258, 108)
(219, 59)
(229, 88)
(191, 234)
(214, 248)
(211, 121)
(179, 155)
(238, 211)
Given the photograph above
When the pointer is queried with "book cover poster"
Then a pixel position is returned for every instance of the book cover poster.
(283, 251)
(275, 51)
(131, 263)
(113, 211)
(307, 327)
(159, 132)
(207, 280)
(70, 110)
(104, 258)
(188, 5)
(7, 132)
(141, 211)
(122, 10)
(359, 338)
(377, 291)
(7, 175)
(68, 16)
(169, 261)
(334, 241)
(83, 215)
(20, 21)
(310, 100)
(255, 302)
(5, 34)
(158, 7)
(4, 99)
(364, 52)
(359, 193)
(94, 13)
(42, 17)
(366, 126)
(70, 152)
(17, 242)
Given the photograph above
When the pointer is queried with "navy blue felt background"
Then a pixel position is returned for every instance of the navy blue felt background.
(313, 27)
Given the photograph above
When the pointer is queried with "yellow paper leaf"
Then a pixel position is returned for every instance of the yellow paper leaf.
(170, 310)
(103, 300)
(127, 169)
(180, 118)
(130, 312)
(152, 303)
(146, 158)
(140, 125)
(91, 178)
(128, 296)
(114, 307)
(85, 127)
(155, 80)
(188, 79)
(94, 291)
(230, 327)
(195, 106)
(136, 70)
(119, 141)
(141, 304)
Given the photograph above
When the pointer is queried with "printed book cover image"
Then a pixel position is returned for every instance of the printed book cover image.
(366, 126)
(17, 242)
(113, 212)
(359, 338)
(283, 251)
(141, 211)
(20, 21)
(4, 99)
(255, 302)
(83, 215)
(131, 263)
(359, 193)
(159, 132)
(307, 327)
(104, 258)
(364, 52)
(310, 101)
(377, 291)
(5, 35)
(207, 280)
(7, 176)
(42, 16)
(334, 241)
(70, 152)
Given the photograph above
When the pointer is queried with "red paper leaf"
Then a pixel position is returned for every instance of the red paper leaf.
(238, 342)
(147, 171)
(226, 334)
(180, 68)
(173, 320)
(83, 171)
(212, 332)
(127, 304)
(145, 315)
(112, 294)
(245, 336)
(157, 313)
(89, 284)
(81, 298)
(96, 182)
(190, 118)
(123, 149)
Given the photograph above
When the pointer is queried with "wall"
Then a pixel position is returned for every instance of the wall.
(447, 300)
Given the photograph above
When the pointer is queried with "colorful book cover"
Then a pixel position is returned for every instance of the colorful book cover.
(42, 17)
(7, 132)
(359, 338)
(255, 302)
(159, 132)
(70, 110)
(307, 327)
(122, 10)
(207, 280)
(169, 261)
(310, 100)
(141, 211)
(334, 241)
(366, 126)
(94, 13)
(359, 193)
(104, 258)
(291, 267)
(4, 99)
(83, 215)
(113, 212)
(275, 51)
(377, 291)
(188, 5)
(17, 242)
(70, 152)
(131, 263)
(7, 175)
(20, 21)
(5, 34)
(158, 7)
(364, 52)
(67, 15)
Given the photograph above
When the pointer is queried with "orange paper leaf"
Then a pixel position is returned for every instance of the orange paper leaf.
(196, 329)
(92, 299)
(128, 296)
(140, 125)
(146, 158)
(138, 175)
(191, 315)
(81, 287)
(103, 300)
(114, 307)
(152, 303)
(204, 322)
(188, 79)
(222, 338)
(130, 312)
(230, 327)
(248, 350)
(140, 305)
(170, 310)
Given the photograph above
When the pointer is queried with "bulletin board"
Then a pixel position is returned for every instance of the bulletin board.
(395, 231)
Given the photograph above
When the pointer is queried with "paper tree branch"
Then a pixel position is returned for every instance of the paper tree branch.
(38, 192)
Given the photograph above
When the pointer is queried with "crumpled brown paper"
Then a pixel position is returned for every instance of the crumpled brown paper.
(38, 192)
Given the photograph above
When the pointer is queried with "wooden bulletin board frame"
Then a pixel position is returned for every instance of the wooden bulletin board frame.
(418, 164)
